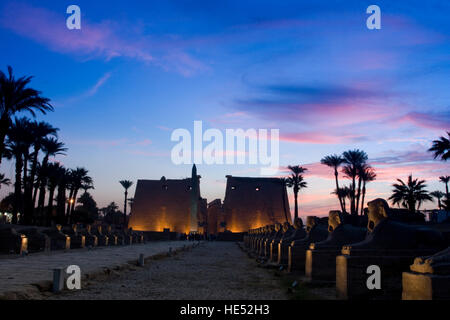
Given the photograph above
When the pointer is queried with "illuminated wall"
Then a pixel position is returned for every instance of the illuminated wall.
(254, 202)
(161, 204)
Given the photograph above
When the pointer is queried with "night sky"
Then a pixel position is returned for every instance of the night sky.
(137, 70)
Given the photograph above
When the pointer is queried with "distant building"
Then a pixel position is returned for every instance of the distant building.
(176, 204)
(167, 204)
(254, 202)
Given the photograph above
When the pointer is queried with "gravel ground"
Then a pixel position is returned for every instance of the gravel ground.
(214, 270)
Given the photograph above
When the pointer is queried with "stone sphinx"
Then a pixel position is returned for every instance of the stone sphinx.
(275, 235)
(297, 232)
(37, 241)
(270, 232)
(285, 231)
(12, 242)
(390, 245)
(429, 278)
(103, 240)
(321, 256)
(264, 231)
(58, 239)
(91, 239)
(112, 236)
(265, 245)
(315, 232)
(137, 236)
(77, 240)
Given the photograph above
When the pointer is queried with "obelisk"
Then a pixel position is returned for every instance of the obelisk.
(195, 194)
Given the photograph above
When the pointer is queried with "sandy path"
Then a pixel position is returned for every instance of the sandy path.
(214, 270)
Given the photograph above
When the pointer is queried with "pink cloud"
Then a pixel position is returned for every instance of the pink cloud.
(145, 142)
(99, 84)
(319, 138)
(47, 27)
(427, 120)
(104, 40)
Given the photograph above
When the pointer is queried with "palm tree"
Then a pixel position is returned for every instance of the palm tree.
(17, 146)
(409, 194)
(4, 181)
(126, 184)
(354, 160)
(296, 182)
(50, 147)
(438, 195)
(334, 161)
(445, 180)
(79, 177)
(367, 175)
(55, 173)
(39, 130)
(15, 97)
(63, 183)
(441, 148)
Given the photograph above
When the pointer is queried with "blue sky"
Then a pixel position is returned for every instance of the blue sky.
(138, 70)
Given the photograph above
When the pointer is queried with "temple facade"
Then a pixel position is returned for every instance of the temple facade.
(169, 204)
(176, 205)
(254, 202)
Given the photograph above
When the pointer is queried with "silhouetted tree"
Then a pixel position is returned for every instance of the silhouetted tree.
(296, 182)
(366, 175)
(334, 161)
(441, 148)
(15, 97)
(445, 180)
(438, 195)
(410, 193)
(354, 161)
(126, 184)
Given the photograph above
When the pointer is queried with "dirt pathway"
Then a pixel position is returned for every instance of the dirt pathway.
(214, 270)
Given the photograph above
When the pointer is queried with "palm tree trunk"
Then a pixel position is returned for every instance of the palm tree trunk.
(439, 204)
(358, 196)
(337, 189)
(125, 209)
(61, 203)
(352, 196)
(296, 204)
(29, 200)
(446, 189)
(35, 191)
(18, 192)
(72, 205)
(4, 126)
(363, 196)
(50, 206)
(68, 206)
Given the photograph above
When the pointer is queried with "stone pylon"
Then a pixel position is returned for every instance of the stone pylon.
(195, 194)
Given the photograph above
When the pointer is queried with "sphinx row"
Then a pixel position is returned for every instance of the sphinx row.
(412, 260)
(23, 240)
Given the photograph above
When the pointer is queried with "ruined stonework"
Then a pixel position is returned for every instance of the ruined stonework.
(255, 202)
(165, 204)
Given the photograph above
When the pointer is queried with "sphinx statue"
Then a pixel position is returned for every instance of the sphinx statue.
(321, 256)
(297, 232)
(315, 232)
(285, 231)
(270, 232)
(388, 235)
(428, 278)
(276, 233)
(389, 244)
